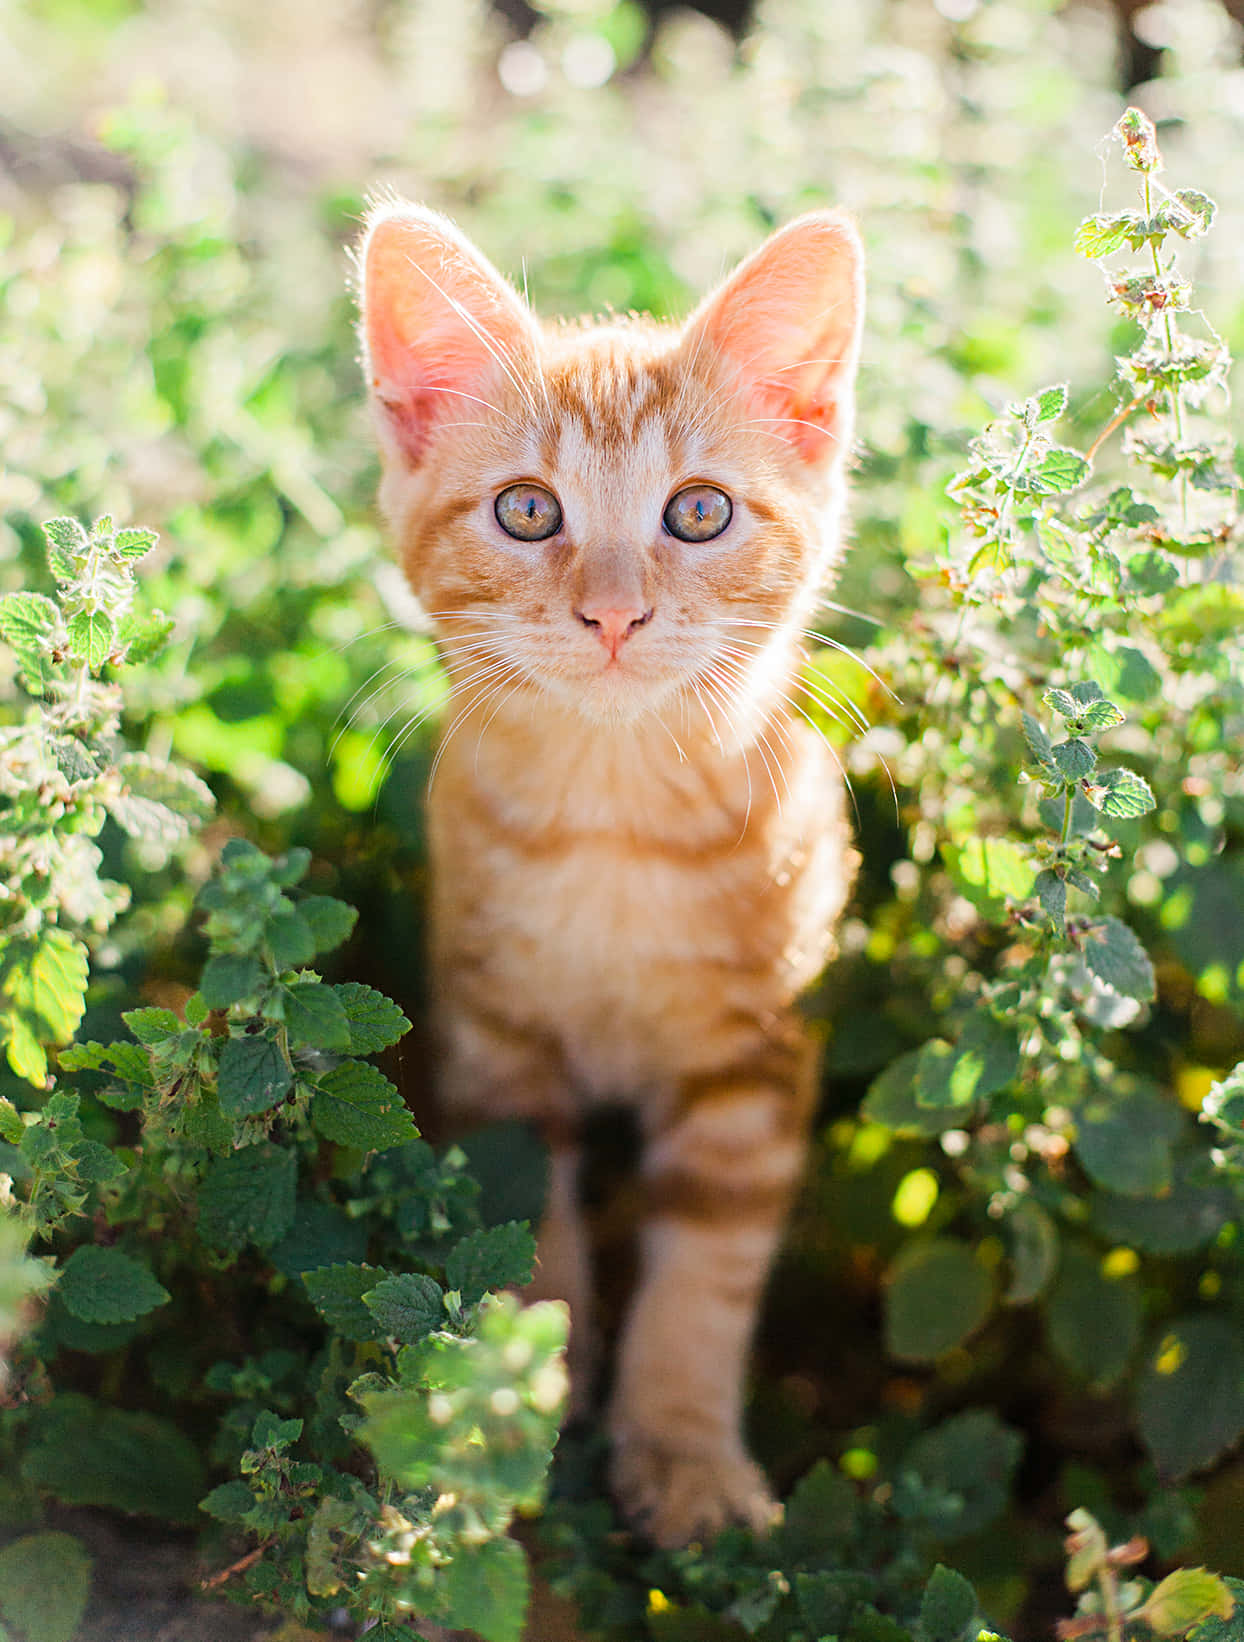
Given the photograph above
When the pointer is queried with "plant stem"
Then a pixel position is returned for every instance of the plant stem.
(1069, 798)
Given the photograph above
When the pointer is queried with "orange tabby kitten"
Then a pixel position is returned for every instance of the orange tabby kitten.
(639, 847)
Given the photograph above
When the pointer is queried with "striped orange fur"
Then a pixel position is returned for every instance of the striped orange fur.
(639, 846)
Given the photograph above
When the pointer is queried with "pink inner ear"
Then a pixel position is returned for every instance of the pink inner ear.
(440, 326)
(789, 320)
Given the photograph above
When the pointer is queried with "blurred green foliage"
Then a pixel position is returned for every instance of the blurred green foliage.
(176, 348)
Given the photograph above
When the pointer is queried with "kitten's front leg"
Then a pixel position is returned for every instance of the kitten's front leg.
(721, 1175)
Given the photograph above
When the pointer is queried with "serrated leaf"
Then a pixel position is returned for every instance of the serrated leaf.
(144, 637)
(1099, 235)
(102, 1285)
(1062, 702)
(152, 1026)
(92, 635)
(321, 1235)
(133, 544)
(1230, 1629)
(254, 1075)
(129, 1061)
(85, 1454)
(27, 621)
(1185, 1599)
(11, 1126)
(1120, 794)
(1097, 716)
(1124, 1140)
(828, 1600)
(248, 1197)
(48, 984)
(492, 1258)
(486, 1589)
(45, 1580)
(227, 979)
(229, 1502)
(1074, 759)
(1197, 213)
(937, 1294)
(271, 1431)
(1040, 747)
(315, 1016)
(1093, 1320)
(375, 1021)
(290, 938)
(67, 534)
(947, 1607)
(1057, 471)
(406, 1306)
(1190, 1401)
(74, 761)
(356, 1105)
(1114, 954)
(1052, 402)
(337, 1293)
(968, 1460)
(331, 921)
(1052, 894)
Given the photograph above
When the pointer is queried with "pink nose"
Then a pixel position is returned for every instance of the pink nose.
(613, 624)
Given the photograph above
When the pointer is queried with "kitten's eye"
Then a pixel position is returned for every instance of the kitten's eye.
(528, 512)
(698, 513)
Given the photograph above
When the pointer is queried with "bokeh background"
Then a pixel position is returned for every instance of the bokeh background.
(179, 183)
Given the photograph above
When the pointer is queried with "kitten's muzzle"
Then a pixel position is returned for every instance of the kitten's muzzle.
(612, 624)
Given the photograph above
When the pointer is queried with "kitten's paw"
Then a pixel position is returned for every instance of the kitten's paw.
(676, 1497)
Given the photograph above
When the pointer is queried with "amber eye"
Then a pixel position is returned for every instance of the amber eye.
(698, 513)
(528, 512)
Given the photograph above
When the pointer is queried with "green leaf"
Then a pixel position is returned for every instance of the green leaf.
(331, 921)
(159, 800)
(45, 1580)
(1124, 1138)
(1196, 215)
(229, 1502)
(375, 1022)
(892, 1100)
(820, 1516)
(491, 1258)
(105, 1286)
(91, 637)
(828, 1600)
(969, 1460)
(1190, 1402)
(1125, 671)
(321, 1235)
(1058, 470)
(406, 1306)
(486, 1589)
(1121, 794)
(1052, 894)
(1093, 1320)
(937, 1294)
(248, 1197)
(152, 1026)
(1185, 1599)
(1034, 1251)
(356, 1105)
(988, 870)
(27, 621)
(1187, 1216)
(1052, 402)
(315, 1016)
(227, 979)
(129, 1061)
(1073, 759)
(1096, 716)
(985, 1058)
(337, 1294)
(254, 1075)
(1099, 235)
(289, 937)
(145, 636)
(48, 984)
(1231, 1628)
(85, 1454)
(66, 534)
(947, 1607)
(1040, 747)
(271, 1431)
(11, 1126)
(1118, 960)
(1062, 702)
(134, 544)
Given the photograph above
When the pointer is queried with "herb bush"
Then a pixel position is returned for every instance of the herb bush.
(1011, 1290)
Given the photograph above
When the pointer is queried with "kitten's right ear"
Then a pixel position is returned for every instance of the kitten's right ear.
(440, 326)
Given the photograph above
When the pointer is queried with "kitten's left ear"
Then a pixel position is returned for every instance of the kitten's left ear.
(788, 320)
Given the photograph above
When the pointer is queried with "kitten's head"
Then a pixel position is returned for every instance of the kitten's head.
(619, 513)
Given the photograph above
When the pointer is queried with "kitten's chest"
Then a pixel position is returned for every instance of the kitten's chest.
(623, 906)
